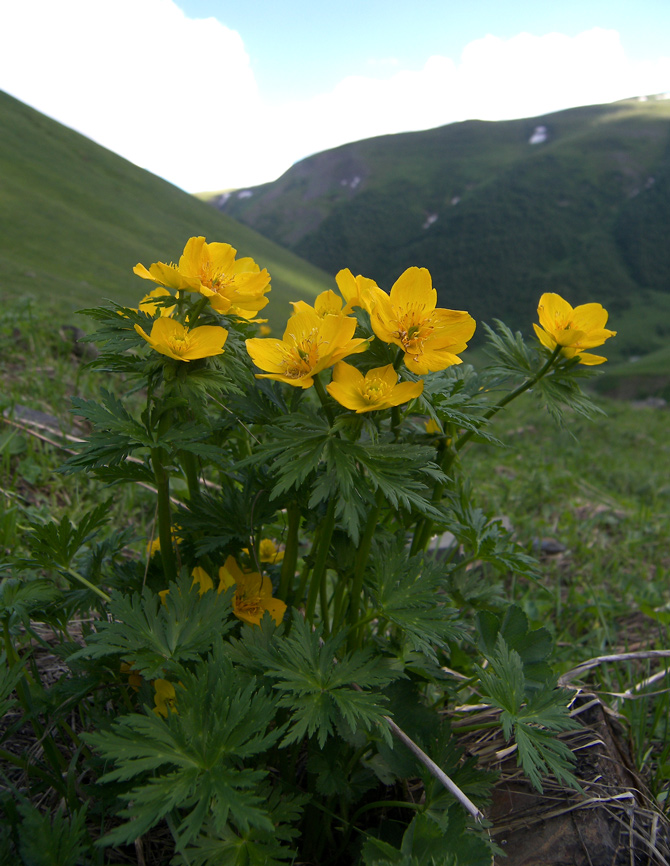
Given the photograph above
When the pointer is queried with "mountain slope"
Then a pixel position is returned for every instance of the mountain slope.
(584, 211)
(76, 218)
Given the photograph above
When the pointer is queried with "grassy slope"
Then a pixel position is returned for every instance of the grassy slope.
(76, 219)
(577, 215)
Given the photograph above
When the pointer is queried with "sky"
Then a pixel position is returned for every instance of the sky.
(223, 94)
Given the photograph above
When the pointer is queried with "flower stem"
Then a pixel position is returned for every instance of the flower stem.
(164, 518)
(323, 397)
(361, 562)
(524, 386)
(325, 536)
(290, 560)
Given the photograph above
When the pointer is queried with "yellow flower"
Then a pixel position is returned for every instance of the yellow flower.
(234, 286)
(378, 389)
(430, 338)
(269, 552)
(574, 329)
(357, 291)
(149, 306)
(265, 330)
(310, 344)
(164, 698)
(202, 579)
(134, 679)
(432, 426)
(253, 593)
(173, 339)
(325, 304)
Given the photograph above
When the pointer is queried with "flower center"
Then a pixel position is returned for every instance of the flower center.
(374, 390)
(180, 344)
(412, 331)
(301, 359)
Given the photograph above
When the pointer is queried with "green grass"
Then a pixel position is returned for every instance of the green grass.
(76, 219)
(601, 490)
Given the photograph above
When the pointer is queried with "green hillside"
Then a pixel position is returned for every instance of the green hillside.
(76, 218)
(496, 219)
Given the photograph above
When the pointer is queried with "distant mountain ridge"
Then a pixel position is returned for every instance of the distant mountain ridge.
(576, 202)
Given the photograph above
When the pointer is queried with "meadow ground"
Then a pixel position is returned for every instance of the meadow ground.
(590, 498)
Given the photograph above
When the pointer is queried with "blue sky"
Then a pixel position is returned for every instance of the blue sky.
(215, 94)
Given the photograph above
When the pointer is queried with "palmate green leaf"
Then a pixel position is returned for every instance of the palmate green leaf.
(116, 434)
(224, 846)
(402, 473)
(150, 635)
(533, 646)
(190, 765)
(485, 538)
(408, 592)
(557, 391)
(52, 840)
(317, 686)
(534, 720)
(56, 544)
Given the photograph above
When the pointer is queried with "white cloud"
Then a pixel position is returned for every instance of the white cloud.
(495, 79)
(172, 94)
(178, 96)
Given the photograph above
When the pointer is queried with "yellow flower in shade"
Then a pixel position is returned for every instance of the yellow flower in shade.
(574, 329)
(164, 698)
(236, 287)
(134, 679)
(269, 552)
(265, 330)
(325, 304)
(149, 306)
(253, 593)
(173, 339)
(430, 338)
(202, 579)
(357, 291)
(432, 427)
(310, 344)
(378, 389)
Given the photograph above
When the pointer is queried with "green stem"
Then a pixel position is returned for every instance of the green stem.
(360, 563)
(525, 386)
(323, 397)
(87, 583)
(290, 560)
(164, 518)
(190, 466)
(325, 536)
(18, 761)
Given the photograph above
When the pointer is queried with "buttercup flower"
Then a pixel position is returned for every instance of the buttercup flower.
(574, 329)
(325, 304)
(149, 306)
(233, 286)
(202, 580)
(430, 338)
(378, 389)
(164, 698)
(173, 339)
(357, 291)
(134, 679)
(267, 551)
(253, 593)
(310, 344)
